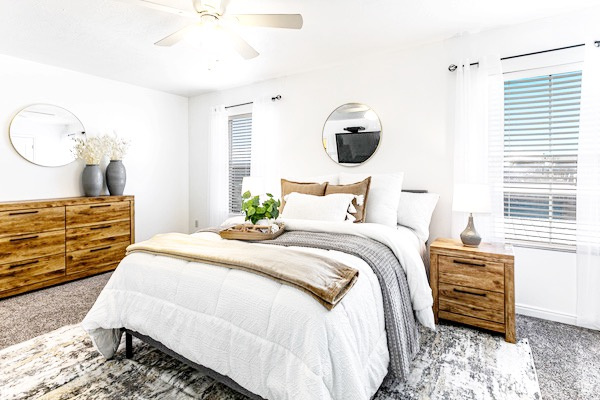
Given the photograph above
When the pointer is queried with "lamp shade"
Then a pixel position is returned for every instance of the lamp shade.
(471, 198)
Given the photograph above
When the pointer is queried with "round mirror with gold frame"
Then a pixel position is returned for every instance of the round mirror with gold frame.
(351, 134)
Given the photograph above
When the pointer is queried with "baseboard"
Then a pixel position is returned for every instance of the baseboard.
(546, 314)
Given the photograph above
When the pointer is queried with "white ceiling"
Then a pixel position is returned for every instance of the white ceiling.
(114, 39)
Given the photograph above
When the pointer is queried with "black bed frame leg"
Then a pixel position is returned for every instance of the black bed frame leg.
(128, 345)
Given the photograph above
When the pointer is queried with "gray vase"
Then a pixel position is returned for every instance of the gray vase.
(92, 180)
(116, 176)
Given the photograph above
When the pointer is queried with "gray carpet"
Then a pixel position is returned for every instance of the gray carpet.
(453, 363)
(29, 315)
(567, 358)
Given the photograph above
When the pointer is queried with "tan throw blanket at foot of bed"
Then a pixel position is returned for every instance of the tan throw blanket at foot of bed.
(325, 279)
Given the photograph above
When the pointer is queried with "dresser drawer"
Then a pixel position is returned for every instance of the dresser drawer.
(89, 214)
(472, 302)
(23, 273)
(474, 273)
(31, 220)
(99, 235)
(32, 245)
(90, 259)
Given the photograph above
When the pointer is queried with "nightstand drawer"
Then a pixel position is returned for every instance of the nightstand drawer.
(472, 302)
(473, 273)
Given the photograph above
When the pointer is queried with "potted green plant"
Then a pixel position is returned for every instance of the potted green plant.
(256, 211)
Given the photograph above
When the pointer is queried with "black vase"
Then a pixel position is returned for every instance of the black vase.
(116, 176)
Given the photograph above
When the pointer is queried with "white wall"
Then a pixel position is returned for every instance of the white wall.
(412, 113)
(412, 92)
(156, 122)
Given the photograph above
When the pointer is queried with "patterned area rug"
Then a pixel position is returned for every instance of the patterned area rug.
(454, 363)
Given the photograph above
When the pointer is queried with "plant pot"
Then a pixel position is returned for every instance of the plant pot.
(91, 177)
(116, 176)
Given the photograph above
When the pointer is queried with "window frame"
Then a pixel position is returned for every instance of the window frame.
(234, 116)
(525, 73)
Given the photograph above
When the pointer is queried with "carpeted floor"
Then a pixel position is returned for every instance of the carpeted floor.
(453, 363)
(567, 358)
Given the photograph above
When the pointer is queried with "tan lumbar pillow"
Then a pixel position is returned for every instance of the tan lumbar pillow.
(360, 190)
(287, 187)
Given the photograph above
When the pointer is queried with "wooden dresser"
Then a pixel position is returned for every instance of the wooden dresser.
(46, 242)
(474, 286)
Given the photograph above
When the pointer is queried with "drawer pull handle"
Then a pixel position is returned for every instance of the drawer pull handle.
(100, 205)
(95, 228)
(24, 238)
(23, 213)
(467, 292)
(24, 264)
(100, 249)
(469, 263)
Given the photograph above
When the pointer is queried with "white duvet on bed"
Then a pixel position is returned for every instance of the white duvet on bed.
(272, 339)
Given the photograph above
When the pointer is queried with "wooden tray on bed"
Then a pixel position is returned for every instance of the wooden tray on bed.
(250, 232)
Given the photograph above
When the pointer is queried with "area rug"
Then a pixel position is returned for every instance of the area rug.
(454, 363)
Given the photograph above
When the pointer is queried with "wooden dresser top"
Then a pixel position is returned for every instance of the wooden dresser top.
(484, 249)
(67, 201)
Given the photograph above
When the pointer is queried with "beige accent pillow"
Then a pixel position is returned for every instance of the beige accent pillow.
(358, 189)
(287, 187)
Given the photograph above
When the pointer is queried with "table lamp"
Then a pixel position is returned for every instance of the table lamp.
(471, 198)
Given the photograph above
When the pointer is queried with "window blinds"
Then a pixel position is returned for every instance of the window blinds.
(240, 143)
(541, 129)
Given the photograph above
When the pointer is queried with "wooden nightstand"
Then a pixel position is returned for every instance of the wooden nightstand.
(474, 285)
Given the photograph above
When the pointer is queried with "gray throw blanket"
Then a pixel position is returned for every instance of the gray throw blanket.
(400, 325)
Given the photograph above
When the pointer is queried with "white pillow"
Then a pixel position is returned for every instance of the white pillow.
(333, 207)
(383, 197)
(415, 211)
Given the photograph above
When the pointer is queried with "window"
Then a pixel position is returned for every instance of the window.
(541, 130)
(240, 143)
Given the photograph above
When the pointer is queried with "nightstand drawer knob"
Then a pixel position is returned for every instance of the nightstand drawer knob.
(467, 292)
(468, 263)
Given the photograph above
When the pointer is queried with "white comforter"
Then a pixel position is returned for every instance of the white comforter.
(272, 339)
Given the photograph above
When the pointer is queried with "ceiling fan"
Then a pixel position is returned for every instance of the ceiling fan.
(211, 17)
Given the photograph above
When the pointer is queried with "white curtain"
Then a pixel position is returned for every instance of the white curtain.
(478, 139)
(588, 193)
(265, 138)
(218, 168)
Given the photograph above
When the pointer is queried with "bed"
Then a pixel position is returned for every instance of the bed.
(265, 339)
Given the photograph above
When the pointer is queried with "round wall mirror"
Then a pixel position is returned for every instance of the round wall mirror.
(351, 134)
(43, 134)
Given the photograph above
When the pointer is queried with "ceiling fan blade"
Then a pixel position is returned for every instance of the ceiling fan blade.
(239, 44)
(288, 21)
(161, 7)
(174, 37)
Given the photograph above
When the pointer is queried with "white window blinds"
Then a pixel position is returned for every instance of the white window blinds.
(541, 129)
(240, 144)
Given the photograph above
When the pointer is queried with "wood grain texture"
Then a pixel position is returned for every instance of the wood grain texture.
(465, 319)
(67, 201)
(433, 283)
(509, 302)
(39, 239)
(90, 214)
(31, 245)
(25, 272)
(474, 286)
(31, 220)
(90, 259)
(472, 302)
(98, 235)
(469, 272)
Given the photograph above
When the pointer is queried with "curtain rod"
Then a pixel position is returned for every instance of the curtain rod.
(453, 67)
(274, 98)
